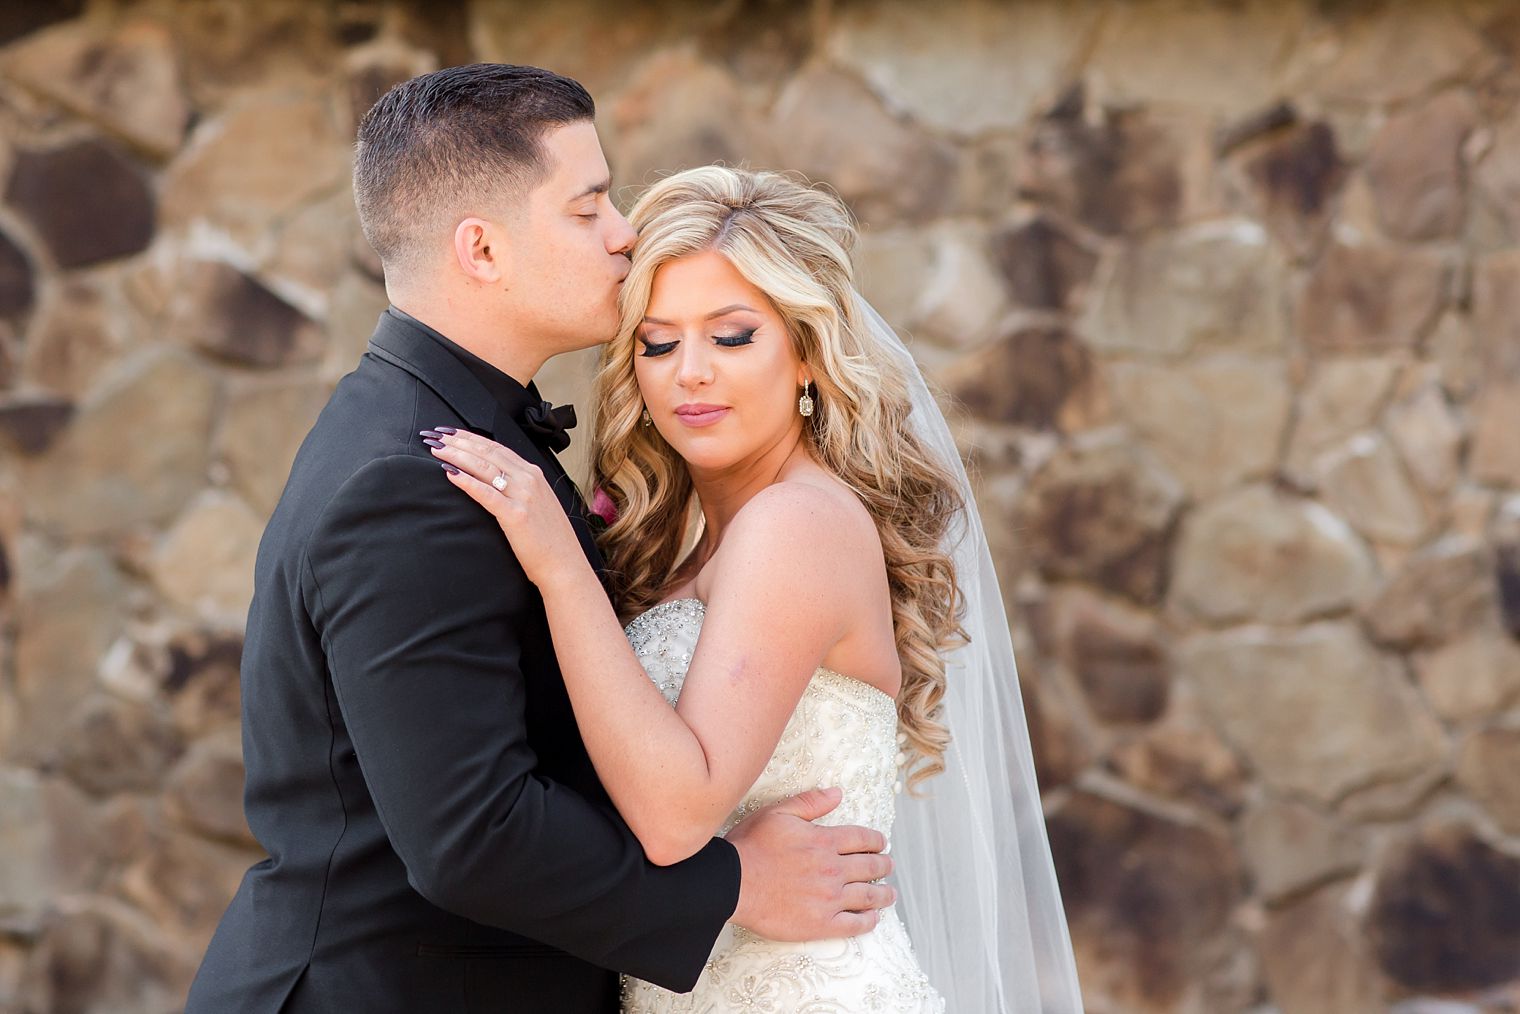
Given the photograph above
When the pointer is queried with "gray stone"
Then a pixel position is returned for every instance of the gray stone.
(1290, 846)
(263, 427)
(124, 78)
(1044, 265)
(1147, 900)
(204, 564)
(1370, 298)
(102, 476)
(1472, 677)
(960, 297)
(1213, 421)
(1442, 915)
(48, 839)
(87, 201)
(235, 317)
(972, 66)
(69, 609)
(838, 132)
(681, 112)
(1415, 168)
(1486, 771)
(1214, 286)
(1341, 398)
(1365, 483)
(1316, 711)
(111, 746)
(1317, 960)
(1101, 512)
(1428, 436)
(1440, 592)
(1261, 554)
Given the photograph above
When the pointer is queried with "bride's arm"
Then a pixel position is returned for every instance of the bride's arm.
(773, 612)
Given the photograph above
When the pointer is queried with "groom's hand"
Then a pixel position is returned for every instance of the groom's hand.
(800, 881)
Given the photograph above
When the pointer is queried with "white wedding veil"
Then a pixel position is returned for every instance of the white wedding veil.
(977, 886)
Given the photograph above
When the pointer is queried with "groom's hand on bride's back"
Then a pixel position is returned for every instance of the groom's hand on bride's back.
(803, 881)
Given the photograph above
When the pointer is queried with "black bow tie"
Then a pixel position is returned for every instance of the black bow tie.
(546, 424)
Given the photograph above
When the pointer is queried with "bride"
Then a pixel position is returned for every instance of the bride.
(810, 603)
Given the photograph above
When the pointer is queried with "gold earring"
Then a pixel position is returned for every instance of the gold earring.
(805, 403)
(647, 420)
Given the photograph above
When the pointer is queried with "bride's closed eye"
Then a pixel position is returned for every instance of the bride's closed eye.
(655, 349)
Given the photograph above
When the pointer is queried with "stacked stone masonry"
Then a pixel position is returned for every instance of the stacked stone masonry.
(1224, 299)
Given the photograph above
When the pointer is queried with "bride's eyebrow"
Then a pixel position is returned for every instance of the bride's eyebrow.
(716, 313)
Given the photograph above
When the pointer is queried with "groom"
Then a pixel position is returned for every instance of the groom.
(437, 837)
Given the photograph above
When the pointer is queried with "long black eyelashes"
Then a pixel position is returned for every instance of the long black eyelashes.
(655, 349)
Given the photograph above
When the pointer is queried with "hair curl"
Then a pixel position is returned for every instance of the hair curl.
(794, 243)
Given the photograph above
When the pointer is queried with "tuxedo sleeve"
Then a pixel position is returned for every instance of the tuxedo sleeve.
(419, 603)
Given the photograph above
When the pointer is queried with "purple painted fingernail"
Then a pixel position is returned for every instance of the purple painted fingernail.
(431, 442)
(446, 429)
(449, 468)
(434, 434)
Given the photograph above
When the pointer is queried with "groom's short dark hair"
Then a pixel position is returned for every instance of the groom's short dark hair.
(455, 142)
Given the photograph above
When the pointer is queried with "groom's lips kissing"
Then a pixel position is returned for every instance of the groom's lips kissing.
(700, 414)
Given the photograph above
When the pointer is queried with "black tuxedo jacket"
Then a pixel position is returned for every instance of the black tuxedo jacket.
(437, 837)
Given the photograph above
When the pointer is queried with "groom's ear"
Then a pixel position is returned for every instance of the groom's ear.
(480, 251)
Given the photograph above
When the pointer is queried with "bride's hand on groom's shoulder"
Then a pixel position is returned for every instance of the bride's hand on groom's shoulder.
(517, 495)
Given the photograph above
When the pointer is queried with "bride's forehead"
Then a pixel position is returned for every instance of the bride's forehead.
(701, 284)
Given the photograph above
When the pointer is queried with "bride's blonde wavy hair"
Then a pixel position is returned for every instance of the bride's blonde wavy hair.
(794, 243)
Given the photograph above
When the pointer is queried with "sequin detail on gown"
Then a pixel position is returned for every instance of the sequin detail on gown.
(843, 733)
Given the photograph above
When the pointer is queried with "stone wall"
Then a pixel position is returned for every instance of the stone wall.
(1228, 296)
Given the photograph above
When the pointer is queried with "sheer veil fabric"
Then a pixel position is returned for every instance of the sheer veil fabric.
(973, 865)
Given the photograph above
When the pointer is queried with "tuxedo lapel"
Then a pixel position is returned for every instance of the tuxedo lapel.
(411, 349)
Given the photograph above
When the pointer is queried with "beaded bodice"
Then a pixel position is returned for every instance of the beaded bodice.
(843, 733)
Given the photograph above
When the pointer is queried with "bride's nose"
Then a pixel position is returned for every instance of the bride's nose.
(694, 369)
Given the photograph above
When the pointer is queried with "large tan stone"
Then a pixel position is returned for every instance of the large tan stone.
(1472, 677)
(1289, 846)
(681, 112)
(1102, 512)
(253, 165)
(49, 841)
(1371, 298)
(69, 609)
(1351, 59)
(101, 954)
(125, 78)
(890, 268)
(1113, 650)
(110, 746)
(1415, 168)
(1213, 422)
(1317, 960)
(184, 882)
(205, 790)
(1496, 318)
(204, 565)
(1342, 397)
(1317, 711)
(1441, 592)
(1428, 436)
(1486, 771)
(1213, 286)
(1495, 454)
(1442, 914)
(1261, 554)
(1497, 176)
(1225, 60)
(836, 131)
(1364, 481)
(972, 66)
(1148, 901)
(262, 427)
(134, 453)
(961, 297)
(1182, 759)
(1027, 377)
(75, 339)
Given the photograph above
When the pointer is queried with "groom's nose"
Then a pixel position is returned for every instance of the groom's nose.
(620, 235)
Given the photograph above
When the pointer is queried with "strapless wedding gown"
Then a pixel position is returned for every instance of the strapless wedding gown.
(844, 733)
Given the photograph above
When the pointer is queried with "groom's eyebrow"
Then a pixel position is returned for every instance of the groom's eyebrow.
(595, 188)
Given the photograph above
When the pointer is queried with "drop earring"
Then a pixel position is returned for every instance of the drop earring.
(805, 403)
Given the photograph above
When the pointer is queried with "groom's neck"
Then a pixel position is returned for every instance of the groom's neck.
(474, 329)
